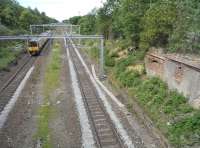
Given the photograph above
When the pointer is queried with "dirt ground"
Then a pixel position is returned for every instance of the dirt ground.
(65, 124)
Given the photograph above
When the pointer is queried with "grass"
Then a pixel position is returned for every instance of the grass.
(168, 109)
(51, 82)
(92, 49)
(7, 55)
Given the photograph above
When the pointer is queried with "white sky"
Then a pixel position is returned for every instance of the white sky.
(63, 9)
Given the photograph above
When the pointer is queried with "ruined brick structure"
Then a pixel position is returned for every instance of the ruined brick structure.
(180, 72)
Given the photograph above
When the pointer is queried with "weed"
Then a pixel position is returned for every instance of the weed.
(7, 56)
(51, 81)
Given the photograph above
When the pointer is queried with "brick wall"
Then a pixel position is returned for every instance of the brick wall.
(179, 75)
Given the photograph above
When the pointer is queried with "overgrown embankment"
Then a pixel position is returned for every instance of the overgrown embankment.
(50, 83)
(168, 109)
(9, 50)
(9, 53)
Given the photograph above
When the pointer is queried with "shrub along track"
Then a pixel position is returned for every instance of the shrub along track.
(10, 85)
(103, 129)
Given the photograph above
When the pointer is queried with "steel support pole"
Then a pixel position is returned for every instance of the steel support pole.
(26, 45)
(71, 30)
(79, 31)
(31, 29)
(102, 75)
(50, 44)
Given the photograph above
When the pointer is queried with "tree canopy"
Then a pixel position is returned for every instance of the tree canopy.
(171, 24)
(17, 18)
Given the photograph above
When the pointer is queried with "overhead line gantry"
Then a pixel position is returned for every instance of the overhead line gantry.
(67, 35)
(56, 25)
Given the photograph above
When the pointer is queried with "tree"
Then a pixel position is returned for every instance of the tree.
(104, 18)
(87, 24)
(158, 24)
(75, 20)
(186, 37)
(171, 24)
(12, 15)
(7, 16)
(130, 15)
(26, 18)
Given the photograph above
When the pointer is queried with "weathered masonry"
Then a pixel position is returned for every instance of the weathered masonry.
(180, 72)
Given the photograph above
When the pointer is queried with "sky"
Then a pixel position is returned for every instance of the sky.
(63, 9)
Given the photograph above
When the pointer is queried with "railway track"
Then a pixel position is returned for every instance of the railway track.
(10, 86)
(105, 133)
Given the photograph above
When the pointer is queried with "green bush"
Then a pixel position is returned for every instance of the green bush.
(185, 36)
(152, 90)
(129, 78)
(109, 61)
(186, 132)
(94, 52)
(6, 56)
(4, 30)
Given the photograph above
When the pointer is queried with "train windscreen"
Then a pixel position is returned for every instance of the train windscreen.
(32, 44)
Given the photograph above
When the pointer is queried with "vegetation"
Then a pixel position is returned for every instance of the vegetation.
(51, 82)
(9, 54)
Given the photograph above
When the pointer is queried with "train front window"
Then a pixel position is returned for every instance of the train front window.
(32, 44)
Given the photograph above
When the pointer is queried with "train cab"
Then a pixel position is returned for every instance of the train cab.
(33, 47)
(36, 44)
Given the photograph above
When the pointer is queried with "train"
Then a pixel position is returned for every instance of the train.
(36, 44)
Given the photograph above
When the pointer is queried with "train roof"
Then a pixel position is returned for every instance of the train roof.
(36, 39)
